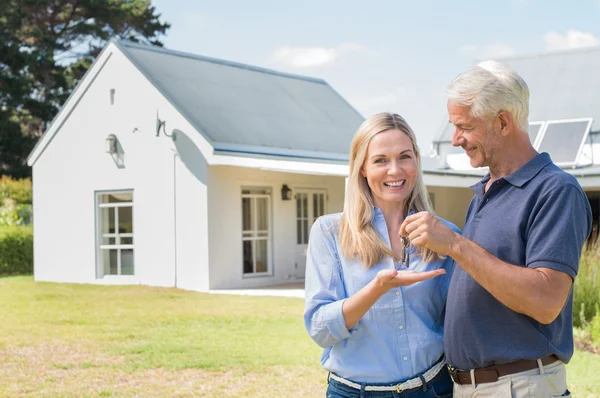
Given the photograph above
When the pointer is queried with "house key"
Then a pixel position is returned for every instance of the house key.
(405, 242)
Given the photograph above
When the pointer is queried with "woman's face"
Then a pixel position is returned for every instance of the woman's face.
(390, 167)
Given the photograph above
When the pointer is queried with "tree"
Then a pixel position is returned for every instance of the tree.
(46, 46)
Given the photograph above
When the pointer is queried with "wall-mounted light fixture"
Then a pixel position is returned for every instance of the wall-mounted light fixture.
(111, 144)
(286, 192)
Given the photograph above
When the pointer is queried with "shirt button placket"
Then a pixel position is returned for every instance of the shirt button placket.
(402, 333)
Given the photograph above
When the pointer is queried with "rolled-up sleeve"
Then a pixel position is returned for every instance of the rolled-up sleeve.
(324, 288)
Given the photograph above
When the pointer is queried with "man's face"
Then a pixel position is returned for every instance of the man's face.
(476, 136)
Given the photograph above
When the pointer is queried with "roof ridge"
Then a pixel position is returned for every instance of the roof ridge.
(128, 43)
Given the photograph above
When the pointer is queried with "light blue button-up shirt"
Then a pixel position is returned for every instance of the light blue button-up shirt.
(399, 337)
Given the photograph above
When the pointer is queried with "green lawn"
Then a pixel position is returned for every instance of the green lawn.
(81, 340)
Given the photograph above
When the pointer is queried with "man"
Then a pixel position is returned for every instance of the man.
(508, 326)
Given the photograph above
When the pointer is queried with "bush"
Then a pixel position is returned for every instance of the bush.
(594, 328)
(16, 250)
(15, 214)
(17, 190)
(15, 202)
(586, 296)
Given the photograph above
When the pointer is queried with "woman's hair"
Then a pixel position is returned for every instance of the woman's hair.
(358, 238)
(489, 88)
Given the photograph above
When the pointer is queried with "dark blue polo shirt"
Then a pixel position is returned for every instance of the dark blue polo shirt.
(537, 216)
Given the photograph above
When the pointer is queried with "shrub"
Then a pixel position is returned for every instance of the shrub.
(15, 202)
(17, 190)
(594, 328)
(16, 250)
(586, 296)
(15, 214)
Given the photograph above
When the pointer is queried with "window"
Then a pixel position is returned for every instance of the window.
(115, 233)
(310, 205)
(256, 230)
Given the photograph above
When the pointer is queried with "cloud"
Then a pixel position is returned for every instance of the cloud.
(493, 50)
(572, 39)
(306, 57)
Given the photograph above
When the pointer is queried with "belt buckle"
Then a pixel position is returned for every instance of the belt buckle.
(454, 374)
(398, 389)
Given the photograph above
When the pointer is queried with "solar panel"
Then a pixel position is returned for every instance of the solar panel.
(564, 139)
(534, 132)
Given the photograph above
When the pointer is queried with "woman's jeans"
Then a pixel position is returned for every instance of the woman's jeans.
(440, 386)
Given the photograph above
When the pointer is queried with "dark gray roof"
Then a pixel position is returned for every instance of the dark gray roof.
(241, 108)
(562, 85)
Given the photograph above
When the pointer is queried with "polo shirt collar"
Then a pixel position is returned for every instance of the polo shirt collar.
(522, 175)
(529, 170)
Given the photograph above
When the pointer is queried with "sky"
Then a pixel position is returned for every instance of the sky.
(395, 56)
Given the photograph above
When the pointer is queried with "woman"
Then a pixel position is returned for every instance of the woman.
(381, 330)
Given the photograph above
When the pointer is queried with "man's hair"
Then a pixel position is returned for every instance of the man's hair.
(358, 238)
(489, 88)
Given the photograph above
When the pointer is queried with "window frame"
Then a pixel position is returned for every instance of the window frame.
(310, 216)
(101, 248)
(253, 234)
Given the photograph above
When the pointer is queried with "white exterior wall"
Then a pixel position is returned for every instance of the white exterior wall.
(191, 209)
(74, 166)
(225, 222)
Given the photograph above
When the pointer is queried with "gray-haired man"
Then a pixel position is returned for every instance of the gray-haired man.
(508, 328)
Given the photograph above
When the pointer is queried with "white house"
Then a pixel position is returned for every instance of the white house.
(172, 169)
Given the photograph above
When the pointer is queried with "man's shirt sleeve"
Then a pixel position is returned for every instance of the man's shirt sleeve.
(558, 229)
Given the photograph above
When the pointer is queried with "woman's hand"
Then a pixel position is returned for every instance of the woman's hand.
(358, 304)
(390, 278)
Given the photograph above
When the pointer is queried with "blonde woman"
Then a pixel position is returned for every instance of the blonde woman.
(379, 319)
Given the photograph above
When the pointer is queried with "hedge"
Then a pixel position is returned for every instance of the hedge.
(16, 250)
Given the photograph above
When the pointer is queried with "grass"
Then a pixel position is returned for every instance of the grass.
(107, 341)
(583, 376)
(85, 340)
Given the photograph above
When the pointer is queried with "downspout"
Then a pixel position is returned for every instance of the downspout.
(175, 217)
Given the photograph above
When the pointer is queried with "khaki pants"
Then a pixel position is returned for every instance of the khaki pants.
(548, 382)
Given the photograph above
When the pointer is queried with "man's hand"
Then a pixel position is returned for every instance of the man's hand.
(426, 230)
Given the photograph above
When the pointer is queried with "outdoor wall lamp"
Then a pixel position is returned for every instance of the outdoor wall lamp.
(111, 144)
(286, 192)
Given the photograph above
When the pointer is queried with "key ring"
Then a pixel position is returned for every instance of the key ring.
(405, 241)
